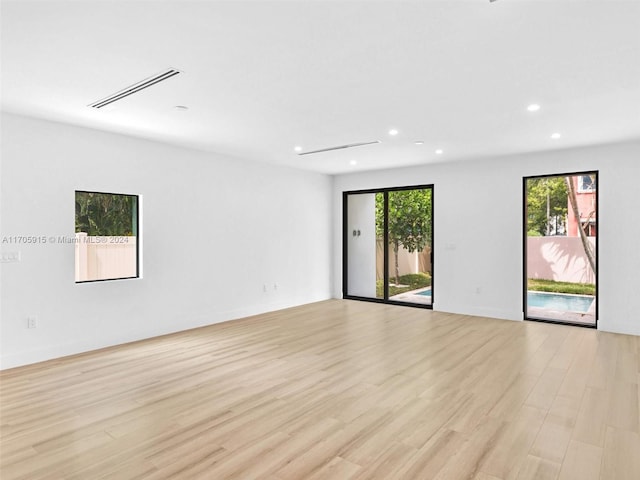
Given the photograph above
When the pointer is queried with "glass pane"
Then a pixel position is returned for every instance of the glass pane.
(106, 236)
(409, 248)
(362, 259)
(561, 248)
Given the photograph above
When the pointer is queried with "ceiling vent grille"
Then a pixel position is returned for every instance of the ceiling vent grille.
(136, 87)
(340, 147)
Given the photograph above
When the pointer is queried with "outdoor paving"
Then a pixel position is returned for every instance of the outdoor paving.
(413, 297)
(588, 318)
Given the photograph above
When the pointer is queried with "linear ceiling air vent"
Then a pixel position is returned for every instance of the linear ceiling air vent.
(136, 87)
(340, 147)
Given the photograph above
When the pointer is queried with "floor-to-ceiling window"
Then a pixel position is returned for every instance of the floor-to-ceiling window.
(560, 248)
(388, 245)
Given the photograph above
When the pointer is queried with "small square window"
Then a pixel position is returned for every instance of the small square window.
(106, 236)
(586, 183)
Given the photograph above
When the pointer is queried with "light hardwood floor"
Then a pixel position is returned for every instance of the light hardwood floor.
(336, 390)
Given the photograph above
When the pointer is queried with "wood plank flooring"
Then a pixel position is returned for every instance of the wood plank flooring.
(333, 390)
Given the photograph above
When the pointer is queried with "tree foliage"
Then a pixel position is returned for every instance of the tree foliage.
(409, 220)
(106, 214)
(546, 204)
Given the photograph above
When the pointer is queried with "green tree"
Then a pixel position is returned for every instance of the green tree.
(546, 204)
(106, 214)
(409, 221)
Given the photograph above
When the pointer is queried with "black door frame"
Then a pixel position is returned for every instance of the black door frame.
(345, 273)
(524, 248)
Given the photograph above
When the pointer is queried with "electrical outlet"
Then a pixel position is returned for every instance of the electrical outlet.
(264, 287)
(275, 286)
(32, 322)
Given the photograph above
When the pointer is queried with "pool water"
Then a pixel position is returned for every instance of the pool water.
(426, 293)
(559, 301)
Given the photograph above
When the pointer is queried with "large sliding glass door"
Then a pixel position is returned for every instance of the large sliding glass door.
(560, 248)
(388, 245)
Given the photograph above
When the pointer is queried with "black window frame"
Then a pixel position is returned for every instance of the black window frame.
(525, 224)
(136, 229)
(345, 232)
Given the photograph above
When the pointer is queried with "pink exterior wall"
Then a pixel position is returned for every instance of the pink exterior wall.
(100, 258)
(558, 258)
(586, 207)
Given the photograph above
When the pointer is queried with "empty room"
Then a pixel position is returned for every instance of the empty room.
(291, 240)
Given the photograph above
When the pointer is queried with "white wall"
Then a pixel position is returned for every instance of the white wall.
(278, 218)
(478, 257)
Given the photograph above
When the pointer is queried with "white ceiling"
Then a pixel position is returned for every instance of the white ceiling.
(262, 77)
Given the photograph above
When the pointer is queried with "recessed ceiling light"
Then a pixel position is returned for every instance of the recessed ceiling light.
(353, 162)
(393, 131)
(555, 136)
(439, 151)
(534, 107)
(419, 142)
(297, 148)
(181, 108)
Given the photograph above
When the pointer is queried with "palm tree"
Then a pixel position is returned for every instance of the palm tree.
(586, 245)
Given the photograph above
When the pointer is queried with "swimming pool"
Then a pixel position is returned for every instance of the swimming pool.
(559, 301)
(426, 293)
